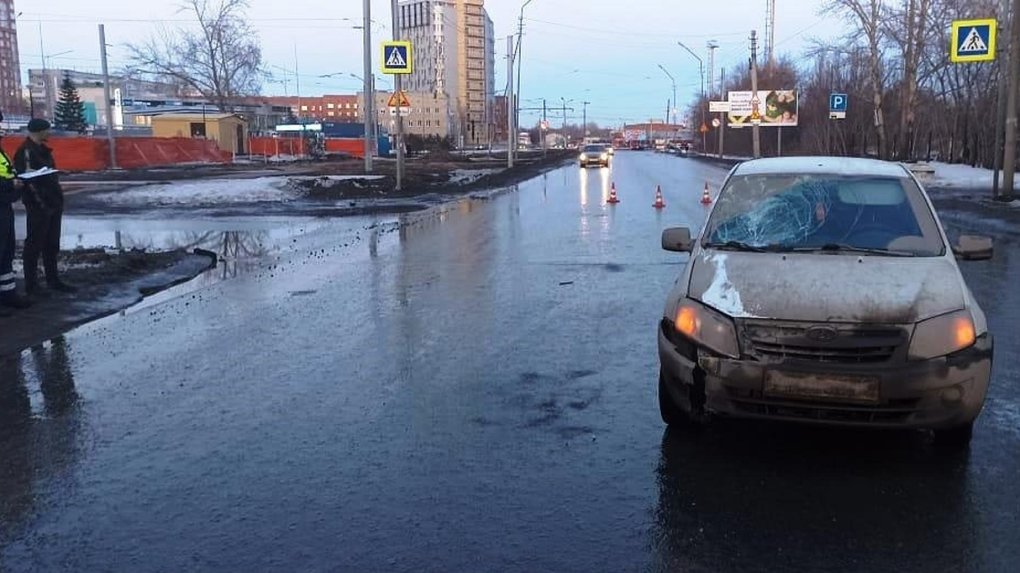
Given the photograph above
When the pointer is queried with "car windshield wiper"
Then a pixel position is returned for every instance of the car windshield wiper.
(844, 248)
(737, 246)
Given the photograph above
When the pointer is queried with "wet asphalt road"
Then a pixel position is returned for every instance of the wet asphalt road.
(473, 390)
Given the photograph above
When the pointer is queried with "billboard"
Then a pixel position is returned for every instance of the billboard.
(771, 108)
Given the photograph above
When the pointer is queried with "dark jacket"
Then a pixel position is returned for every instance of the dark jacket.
(8, 192)
(44, 191)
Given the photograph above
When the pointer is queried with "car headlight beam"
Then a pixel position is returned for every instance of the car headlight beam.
(943, 335)
(707, 327)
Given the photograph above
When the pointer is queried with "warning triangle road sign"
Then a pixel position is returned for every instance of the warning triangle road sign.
(396, 59)
(973, 42)
(399, 99)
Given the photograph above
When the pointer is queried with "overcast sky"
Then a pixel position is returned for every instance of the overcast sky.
(603, 51)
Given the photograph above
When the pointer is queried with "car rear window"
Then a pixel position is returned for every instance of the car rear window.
(811, 211)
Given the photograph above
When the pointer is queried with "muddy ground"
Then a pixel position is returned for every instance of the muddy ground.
(108, 283)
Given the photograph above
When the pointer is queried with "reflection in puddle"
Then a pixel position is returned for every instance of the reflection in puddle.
(39, 425)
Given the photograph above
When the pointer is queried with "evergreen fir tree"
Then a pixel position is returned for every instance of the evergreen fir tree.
(70, 112)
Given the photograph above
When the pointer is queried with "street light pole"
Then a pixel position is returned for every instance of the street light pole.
(673, 81)
(108, 108)
(517, 56)
(367, 111)
(584, 119)
(701, 104)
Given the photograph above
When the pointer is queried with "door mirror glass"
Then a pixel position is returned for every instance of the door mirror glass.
(974, 248)
(677, 239)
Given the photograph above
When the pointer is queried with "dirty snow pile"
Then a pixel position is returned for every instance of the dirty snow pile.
(216, 192)
(963, 176)
(209, 192)
(468, 176)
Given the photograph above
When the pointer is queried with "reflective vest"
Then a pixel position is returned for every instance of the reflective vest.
(6, 169)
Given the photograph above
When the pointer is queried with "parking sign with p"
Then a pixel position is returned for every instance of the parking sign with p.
(837, 106)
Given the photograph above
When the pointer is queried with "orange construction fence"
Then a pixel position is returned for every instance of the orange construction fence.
(273, 146)
(355, 147)
(92, 154)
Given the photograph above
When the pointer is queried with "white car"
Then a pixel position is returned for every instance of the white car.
(825, 291)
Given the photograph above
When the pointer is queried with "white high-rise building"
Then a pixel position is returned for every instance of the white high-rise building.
(454, 53)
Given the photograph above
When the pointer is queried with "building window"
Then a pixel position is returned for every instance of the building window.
(331, 114)
(330, 106)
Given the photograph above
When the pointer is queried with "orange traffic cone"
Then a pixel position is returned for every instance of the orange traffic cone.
(706, 199)
(659, 203)
(613, 199)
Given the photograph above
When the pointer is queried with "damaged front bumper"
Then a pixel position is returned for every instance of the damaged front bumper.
(940, 393)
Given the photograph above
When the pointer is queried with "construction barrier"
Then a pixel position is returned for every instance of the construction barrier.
(275, 146)
(355, 147)
(92, 154)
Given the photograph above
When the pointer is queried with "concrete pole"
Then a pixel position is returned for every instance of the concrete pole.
(368, 110)
(722, 116)
(1009, 148)
(1000, 117)
(398, 87)
(755, 128)
(106, 98)
(511, 132)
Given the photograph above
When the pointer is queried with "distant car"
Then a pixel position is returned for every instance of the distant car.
(825, 291)
(635, 146)
(610, 150)
(594, 155)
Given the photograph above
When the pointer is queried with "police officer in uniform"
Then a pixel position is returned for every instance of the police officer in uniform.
(9, 193)
(44, 205)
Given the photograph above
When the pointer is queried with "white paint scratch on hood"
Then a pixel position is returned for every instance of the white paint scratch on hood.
(721, 294)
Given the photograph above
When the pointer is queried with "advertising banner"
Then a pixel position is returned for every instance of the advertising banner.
(770, 108)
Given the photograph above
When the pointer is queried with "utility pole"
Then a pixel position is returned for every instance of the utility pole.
(584, 121)
(722, 116)
(1009, 149)
(770, 33)
(673, 82)
(397, 86)
(542, 129)
(511, 133)
(755, 124)
(368, 109)
(106, 98)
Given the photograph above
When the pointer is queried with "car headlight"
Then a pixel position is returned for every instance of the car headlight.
(605, 156)
(707, 327)
(584, 156)
(942, 335)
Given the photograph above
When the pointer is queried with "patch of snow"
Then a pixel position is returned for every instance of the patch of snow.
(963, 176)
(467, 176)
(208, 192)
(721, 294)
(336, 177)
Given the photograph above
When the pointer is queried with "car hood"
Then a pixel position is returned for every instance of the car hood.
(824, 288)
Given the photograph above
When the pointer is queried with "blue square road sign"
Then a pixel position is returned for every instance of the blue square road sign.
(973, 41)
(397, 58)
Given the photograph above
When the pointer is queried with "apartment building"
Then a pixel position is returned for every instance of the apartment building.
(454, 47)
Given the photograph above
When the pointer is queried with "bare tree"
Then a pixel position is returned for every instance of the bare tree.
(867, 15)
(222, 59)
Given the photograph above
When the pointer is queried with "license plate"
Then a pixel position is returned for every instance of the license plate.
(822, 387)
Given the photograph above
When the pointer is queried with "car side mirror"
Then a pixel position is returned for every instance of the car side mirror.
(974, 248)
(677, 239)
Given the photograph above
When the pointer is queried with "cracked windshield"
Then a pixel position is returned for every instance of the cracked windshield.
(509, 285)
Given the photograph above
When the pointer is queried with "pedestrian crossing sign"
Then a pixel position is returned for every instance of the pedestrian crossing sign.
(397, 58)
(973, 41)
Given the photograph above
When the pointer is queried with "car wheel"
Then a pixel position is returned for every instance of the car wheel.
(953, 438)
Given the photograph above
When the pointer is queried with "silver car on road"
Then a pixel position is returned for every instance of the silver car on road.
(825, 290)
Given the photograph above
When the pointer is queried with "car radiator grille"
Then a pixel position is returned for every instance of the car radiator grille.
(845, 344)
